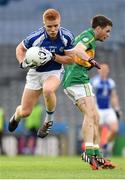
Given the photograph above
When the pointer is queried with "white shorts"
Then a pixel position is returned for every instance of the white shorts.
(34, 79)
(107, 116)
(79, 91)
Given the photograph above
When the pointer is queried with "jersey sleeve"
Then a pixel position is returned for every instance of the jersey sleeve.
(85, 39)
(29, 40)
(112, 83)
(70, 42)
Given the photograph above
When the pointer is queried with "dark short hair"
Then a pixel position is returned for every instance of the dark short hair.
(102, 21)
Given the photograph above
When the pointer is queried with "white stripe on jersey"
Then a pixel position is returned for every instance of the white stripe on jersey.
(65, 41)
(39, 40)
(36, 33)
(63, 34)
(69, 49)
(24, 45)
(67, 33)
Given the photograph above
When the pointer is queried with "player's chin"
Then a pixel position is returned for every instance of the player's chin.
(102, 40)
(53, 35)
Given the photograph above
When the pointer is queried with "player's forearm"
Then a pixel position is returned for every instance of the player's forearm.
(20, 53)
(115, 103)
(64, 59)
(116, 106)
(82, 54)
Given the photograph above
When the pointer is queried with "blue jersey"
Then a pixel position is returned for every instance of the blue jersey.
(64, 41)
(103, 90)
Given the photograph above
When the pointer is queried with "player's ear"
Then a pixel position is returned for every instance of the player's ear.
(98, 28)
(44, 23)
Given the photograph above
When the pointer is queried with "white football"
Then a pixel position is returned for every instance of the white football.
(38, 56)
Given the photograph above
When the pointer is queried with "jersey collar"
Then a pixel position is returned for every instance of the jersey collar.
(92, 32)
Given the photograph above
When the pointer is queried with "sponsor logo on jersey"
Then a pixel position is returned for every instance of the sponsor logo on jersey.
(85, 39)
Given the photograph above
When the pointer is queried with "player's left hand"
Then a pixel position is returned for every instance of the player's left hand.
(94, 63)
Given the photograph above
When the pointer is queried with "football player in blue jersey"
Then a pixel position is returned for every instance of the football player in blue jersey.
(108, 105)
(45, 79)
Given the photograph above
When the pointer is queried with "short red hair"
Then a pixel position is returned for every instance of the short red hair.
(51, 14)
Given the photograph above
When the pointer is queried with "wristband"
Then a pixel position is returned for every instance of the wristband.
(53, 55)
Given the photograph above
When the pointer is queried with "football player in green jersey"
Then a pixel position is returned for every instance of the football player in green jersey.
(78, 88)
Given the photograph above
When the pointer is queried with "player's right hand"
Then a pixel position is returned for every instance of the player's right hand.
(25, 65)
(94, 63)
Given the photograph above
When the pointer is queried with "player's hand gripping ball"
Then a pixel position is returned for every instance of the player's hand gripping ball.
(37, 56)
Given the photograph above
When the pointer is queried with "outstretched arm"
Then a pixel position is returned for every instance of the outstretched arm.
(80, 51)
(66, 59)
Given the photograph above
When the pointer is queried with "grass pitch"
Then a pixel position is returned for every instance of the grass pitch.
(37, 167)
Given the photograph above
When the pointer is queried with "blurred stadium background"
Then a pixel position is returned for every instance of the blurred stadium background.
(20, 17)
